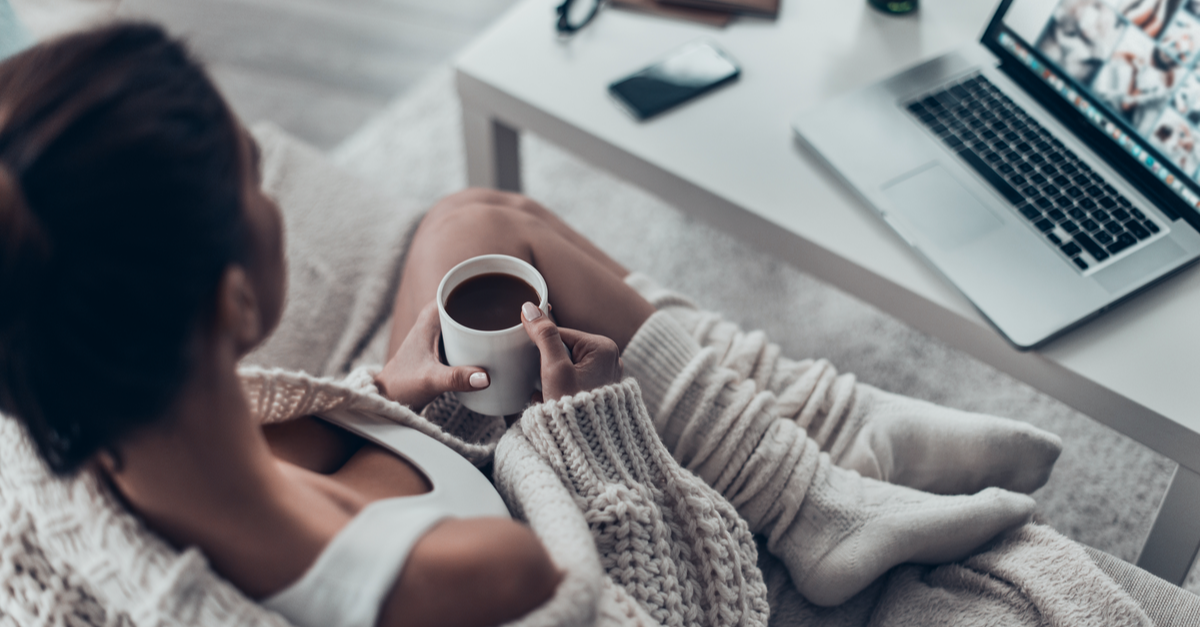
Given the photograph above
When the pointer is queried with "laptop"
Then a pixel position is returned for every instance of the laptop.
(1048, 171)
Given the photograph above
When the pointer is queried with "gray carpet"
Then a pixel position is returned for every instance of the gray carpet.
(1105, 488)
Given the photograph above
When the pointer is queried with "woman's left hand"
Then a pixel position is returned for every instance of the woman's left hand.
(414, 376)
(572, 361)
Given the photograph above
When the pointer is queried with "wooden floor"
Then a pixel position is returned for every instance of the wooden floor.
(319, 68)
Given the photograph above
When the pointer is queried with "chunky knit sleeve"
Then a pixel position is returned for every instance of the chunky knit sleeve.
(664, 536)
(276, 395)
(585, 597)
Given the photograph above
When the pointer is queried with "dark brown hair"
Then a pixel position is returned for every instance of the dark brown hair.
(120, 206)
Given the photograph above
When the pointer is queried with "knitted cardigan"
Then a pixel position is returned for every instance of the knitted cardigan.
(639, 539)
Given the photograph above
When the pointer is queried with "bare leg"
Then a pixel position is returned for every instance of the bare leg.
(587, 290)
(517, 201)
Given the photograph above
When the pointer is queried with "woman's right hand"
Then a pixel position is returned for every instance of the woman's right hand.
(414, 376)
(597, 362)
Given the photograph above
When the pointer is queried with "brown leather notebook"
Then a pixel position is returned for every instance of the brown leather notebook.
(657, 7)
(763, 8)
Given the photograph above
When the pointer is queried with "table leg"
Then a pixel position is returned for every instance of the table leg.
(1174, 539)
(493, 152)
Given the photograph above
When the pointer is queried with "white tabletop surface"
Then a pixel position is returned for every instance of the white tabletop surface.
(737, 144)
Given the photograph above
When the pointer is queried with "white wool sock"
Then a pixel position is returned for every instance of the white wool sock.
(881, 435)
(851, 529)
(938, 449)
(835, 530)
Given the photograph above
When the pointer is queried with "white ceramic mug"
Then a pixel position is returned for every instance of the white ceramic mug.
(510, 358)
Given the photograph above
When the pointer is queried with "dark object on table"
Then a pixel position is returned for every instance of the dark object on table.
(575, 14)
(895, 7)
(690, 71)
(656, 7)
(761, 8)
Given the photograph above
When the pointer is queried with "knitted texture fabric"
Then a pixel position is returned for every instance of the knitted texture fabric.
(720, 427)
(74, 555)
(711, 579)
(810, 392)
(276, 395)
(44, 592)
(667, 538)
(883, 436)
(734, 410)
(345, 247)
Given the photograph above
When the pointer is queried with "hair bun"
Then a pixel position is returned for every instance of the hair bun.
(24, 250)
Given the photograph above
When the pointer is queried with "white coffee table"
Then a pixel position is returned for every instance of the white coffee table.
(731, 159)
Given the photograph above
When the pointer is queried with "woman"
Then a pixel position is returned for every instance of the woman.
(137, 251)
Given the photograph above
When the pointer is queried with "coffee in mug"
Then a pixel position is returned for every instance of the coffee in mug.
(490, 302)
(479, 306)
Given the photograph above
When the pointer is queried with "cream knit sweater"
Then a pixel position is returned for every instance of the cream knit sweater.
(641, 541)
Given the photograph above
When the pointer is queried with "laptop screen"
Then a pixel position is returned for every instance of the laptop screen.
(1127, 67)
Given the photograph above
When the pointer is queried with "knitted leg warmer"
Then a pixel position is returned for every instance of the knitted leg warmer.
(664, 536)
(835, 530)
(881, 435)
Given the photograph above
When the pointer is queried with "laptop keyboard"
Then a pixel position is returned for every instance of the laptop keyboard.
(1072, 206)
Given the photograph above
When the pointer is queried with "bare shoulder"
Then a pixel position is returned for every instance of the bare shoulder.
(480, 571)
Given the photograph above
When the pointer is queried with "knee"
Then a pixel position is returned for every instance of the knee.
(476, 201)
(482, 211)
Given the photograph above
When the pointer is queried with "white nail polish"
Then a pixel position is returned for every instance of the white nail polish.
(531, 311)
(479, 380)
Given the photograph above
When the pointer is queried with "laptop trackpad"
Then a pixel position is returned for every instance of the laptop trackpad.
(939, 208)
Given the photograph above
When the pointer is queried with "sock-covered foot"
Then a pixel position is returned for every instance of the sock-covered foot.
(851, 529)
(880, 435)
(937, 449)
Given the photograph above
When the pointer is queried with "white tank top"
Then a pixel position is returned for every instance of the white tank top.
(350, 580)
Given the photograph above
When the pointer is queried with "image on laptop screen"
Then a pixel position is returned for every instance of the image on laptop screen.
(1129, 66)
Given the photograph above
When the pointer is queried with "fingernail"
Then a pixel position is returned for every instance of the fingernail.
(479, 380)
(531, 311)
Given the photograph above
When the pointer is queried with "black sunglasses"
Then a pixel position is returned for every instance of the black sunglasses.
(570, 21)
